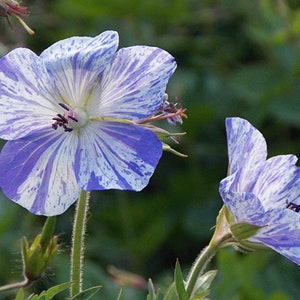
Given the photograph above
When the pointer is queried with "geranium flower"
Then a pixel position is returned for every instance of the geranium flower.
(71, 118)
(262, 192)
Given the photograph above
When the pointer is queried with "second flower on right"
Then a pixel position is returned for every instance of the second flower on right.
(262, 192)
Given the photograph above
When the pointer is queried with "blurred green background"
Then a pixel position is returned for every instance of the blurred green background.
(235, 58)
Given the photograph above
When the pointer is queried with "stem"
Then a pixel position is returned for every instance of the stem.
(16, 285)
(222, 237)
(77, 252)
(199, 266)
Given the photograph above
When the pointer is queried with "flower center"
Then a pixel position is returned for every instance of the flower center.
(71, 119)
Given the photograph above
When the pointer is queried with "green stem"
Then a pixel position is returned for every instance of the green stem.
(77, 254)
(198, 267)
(222, 237)
(16, 285)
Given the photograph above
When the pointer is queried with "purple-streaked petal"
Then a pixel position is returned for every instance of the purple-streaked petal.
(133, 87)
(278, 182)
(116, 156)
(281, 233)
(247, 150)
(76, 64)
(27, 97)
(37, 172)
(245, 207)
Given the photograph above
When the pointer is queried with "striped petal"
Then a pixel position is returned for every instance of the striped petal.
(76, 64)
(263, 192)
(27, 97)
(134, 85)
(278, 182)
(37, 172)
(281, 233)
(116, 156)
(247, 150)
(245, 207)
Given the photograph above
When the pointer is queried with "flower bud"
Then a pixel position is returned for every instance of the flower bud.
(38, 255)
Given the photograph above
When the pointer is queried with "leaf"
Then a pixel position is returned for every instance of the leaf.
(20, 295)
(120, 294)
(53, 291)
(171, 293)
(50, 293)
(202, 285)
(87, 294)
(151, 295)
(179, 282)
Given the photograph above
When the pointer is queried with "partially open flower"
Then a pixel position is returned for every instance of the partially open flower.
(13, 8)
(262, 192)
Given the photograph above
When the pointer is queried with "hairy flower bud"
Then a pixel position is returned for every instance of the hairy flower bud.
(38, 255)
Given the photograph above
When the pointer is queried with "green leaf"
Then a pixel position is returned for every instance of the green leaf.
(171, 293)
(53, 291)
(87, 294)
(120, 294)
(203, 283)
(179, 282)
(50, 293)
(20, 295)
(151, 291)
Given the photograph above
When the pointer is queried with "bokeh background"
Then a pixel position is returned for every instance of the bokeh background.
(235, 58)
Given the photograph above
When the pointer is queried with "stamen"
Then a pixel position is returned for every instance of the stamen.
(74, 119)
(63, 120)
(294, 207)
(64, 106)
(67, 129)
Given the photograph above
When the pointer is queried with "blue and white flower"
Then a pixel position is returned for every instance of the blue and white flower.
(263, 192)
(71, 117)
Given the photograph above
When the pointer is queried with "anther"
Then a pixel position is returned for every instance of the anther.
(74, 119)
(67, 129)
(64, 106)
(294, 207)
(63, 120)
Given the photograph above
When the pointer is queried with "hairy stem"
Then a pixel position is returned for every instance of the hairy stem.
(26, 282)
(78, 242)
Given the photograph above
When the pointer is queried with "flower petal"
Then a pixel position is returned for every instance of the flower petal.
(282, 233)
(278, 182)
(134, 85)
(245, 207)
(76, 63)
(116, 156)
(27, 96)
(37, 172)
(247, 150)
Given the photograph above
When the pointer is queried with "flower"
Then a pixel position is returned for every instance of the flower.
(71, 118)
(262, 192)
(12, 8)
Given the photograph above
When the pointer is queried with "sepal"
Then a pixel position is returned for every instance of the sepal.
(236, 234)
(243, 231)
(168, 148)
